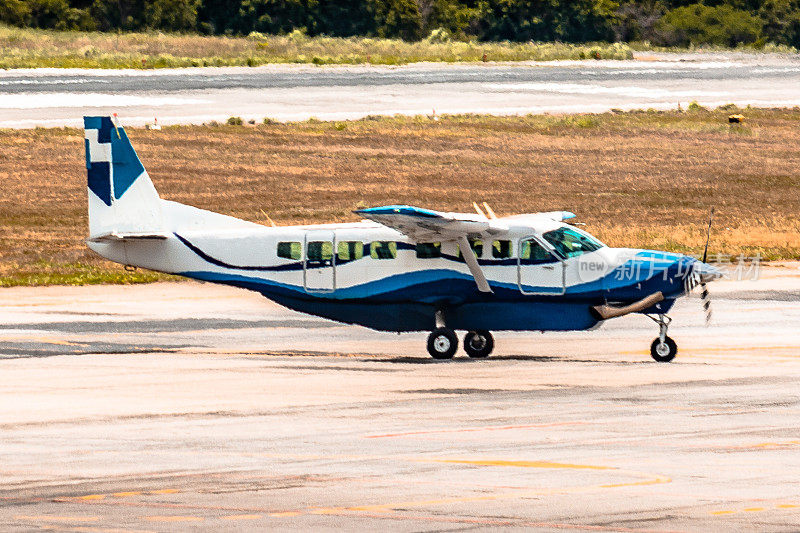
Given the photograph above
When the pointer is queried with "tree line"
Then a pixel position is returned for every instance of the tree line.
(662, 22)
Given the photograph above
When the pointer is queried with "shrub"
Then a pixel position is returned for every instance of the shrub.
(235, 121)
(172, 15)
(15, 12)
(439, 35)
(694, 106)
(720, 25)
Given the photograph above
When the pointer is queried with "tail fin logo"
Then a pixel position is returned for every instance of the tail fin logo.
(111, 162)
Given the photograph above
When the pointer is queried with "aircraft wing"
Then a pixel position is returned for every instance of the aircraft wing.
(424, 225)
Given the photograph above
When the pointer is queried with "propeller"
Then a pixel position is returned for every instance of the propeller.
(704, 296)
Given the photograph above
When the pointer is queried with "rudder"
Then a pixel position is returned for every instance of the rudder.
(122, 198)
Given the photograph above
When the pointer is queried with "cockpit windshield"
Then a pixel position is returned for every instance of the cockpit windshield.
(570, 243)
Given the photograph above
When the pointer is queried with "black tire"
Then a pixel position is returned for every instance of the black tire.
(478, 344)
(442, 343)
(663, 353)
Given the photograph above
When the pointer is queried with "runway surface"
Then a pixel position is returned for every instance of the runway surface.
(57, 97)
(173, 407)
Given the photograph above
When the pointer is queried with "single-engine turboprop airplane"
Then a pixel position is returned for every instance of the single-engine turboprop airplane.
(401, 269)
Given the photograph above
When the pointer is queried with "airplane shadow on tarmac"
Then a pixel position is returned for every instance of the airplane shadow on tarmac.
(467, 361)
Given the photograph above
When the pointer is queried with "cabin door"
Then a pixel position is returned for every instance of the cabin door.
(539, 269)
(319, 266)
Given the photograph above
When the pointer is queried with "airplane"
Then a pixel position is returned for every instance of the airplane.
(400, 269)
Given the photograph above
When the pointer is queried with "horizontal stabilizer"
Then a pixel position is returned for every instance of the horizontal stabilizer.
(116, 237)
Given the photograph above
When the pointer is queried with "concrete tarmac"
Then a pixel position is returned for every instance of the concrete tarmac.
(186, 406)
(58, 97)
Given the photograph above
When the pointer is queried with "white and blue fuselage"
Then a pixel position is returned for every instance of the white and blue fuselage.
(401, 269)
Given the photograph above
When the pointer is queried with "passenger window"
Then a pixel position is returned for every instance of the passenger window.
(319, 251)
(383, 250)
(290, 250)
(531, 252)
(350, 250)
(501, 249)
(477, 249)
(429, 250)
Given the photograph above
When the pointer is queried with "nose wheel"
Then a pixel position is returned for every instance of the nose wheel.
(663, 348)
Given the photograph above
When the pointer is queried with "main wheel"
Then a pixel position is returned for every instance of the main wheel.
(442, 343)
(478, 344)
(663, 352)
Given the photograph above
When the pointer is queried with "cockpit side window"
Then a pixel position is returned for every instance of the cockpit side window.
(569, 243)
(532, 253)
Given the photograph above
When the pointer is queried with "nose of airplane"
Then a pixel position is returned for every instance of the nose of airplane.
(706, 273)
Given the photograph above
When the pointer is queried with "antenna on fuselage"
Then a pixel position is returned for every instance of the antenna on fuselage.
(489, 210)
(271, 223)
(478, 210)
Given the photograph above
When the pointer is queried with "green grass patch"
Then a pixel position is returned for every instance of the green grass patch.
(48, 273)
(30, 48)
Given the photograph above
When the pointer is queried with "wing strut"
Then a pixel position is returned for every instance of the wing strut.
(472, 263)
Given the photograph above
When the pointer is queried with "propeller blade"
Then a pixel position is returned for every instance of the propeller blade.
(706, 299)
(708, 234)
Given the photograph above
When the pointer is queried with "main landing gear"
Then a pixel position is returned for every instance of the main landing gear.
(663, 348)
(443, 343)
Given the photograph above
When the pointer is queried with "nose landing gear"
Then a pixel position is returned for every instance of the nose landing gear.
(663, 348)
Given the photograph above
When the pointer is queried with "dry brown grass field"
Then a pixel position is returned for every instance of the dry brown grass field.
(639, 179)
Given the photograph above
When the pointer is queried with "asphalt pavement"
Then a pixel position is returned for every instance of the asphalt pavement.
(186, 406)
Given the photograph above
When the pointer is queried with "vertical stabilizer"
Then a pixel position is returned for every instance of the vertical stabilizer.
(122, 198)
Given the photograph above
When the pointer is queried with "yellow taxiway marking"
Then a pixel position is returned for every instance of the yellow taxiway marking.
(174, 518)
(657, 479)
(92, 497)
(45, 340)
(164, 491)
(649, 479)
(785, 444)
(285, 514)
(754, 509)
(242, 517)
(56, 518)
(519, 464)
(126, 494)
